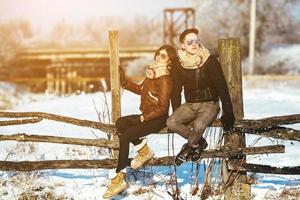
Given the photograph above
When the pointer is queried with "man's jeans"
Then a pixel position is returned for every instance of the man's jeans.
(200, 114)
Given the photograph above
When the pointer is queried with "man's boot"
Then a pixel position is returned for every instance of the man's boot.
(198, 151)
(116, 186)
(144, 155)
(184, 154)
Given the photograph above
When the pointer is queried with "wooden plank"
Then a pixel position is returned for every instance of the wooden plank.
(20, 121)
(111, 163)
(277, 132)
(114, 63)
(22, 137)
(102, 142)
(267, 169)
(252, 125)
(282, 133)
(272, 121)
(79, 122)
(230, 60)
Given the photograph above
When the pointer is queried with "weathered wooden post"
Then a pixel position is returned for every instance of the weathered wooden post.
(230, 59)
(114, 78)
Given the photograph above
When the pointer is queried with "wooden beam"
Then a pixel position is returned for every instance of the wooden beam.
(79, 122)
(267, 169)
(111, 163)
(283, 133)
(274, 132)
(277, 132)
(230, 60)
(271, 121)
(114, 63)
(20, 121)
(242, 123)
(22, 137)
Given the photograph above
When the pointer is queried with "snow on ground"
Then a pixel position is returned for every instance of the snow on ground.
(269, 99)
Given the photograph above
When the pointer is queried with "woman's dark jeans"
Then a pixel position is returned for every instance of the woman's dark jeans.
(130, 129)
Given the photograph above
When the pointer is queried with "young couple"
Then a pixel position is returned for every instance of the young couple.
(193, 68)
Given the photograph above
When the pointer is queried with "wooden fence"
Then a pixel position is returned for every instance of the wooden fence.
(258, 127)
(234, 145)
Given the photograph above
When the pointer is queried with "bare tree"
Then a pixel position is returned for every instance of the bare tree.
(12, 36)
(230, 18)
(276, 24)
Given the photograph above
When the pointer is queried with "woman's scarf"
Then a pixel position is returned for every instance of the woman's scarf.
(195, 61)
(157, 69)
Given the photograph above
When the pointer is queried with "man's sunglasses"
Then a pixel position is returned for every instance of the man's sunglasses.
(190, 42)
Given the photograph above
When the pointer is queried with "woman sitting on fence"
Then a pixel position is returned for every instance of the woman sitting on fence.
(155, 94)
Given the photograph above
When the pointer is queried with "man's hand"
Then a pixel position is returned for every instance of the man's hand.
(228, 122)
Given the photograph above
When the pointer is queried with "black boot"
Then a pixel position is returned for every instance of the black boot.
(184, 154)
(198, 151)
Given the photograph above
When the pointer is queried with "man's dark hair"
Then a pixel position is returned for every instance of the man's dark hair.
(187, 31)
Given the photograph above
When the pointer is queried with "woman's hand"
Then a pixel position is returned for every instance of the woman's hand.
(142, 118)
(122, 76)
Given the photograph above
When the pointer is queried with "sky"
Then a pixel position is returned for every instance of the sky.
(43, 14)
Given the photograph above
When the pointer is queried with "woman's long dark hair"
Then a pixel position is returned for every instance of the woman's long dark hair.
(169, 49)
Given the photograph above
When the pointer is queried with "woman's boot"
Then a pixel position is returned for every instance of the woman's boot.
(116, 186)
(144, 155)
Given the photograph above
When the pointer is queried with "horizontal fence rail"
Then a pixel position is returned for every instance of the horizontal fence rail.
(111, 163)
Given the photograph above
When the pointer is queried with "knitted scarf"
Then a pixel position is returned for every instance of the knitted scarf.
(195, 61)
(156, 70)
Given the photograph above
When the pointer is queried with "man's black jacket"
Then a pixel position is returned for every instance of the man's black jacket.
(204, 84)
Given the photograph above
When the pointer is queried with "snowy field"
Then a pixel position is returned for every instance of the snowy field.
(260, 100)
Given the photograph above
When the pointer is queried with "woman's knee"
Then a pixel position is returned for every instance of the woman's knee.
(120, 124)
(126, 137)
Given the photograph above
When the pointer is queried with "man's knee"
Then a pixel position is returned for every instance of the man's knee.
(199, 126)
(171, 122)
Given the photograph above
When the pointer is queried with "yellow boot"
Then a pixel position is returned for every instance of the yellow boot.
(144, 155)
(116, 186)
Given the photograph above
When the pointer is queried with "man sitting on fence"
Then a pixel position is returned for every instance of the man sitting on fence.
(201, 76)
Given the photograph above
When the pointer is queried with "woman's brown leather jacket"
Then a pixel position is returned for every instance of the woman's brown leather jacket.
(155, 95)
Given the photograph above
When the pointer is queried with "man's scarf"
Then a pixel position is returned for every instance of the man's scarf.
(195, 61)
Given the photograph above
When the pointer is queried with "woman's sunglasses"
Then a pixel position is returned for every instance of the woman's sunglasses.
(190, 42)
(162, 55)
